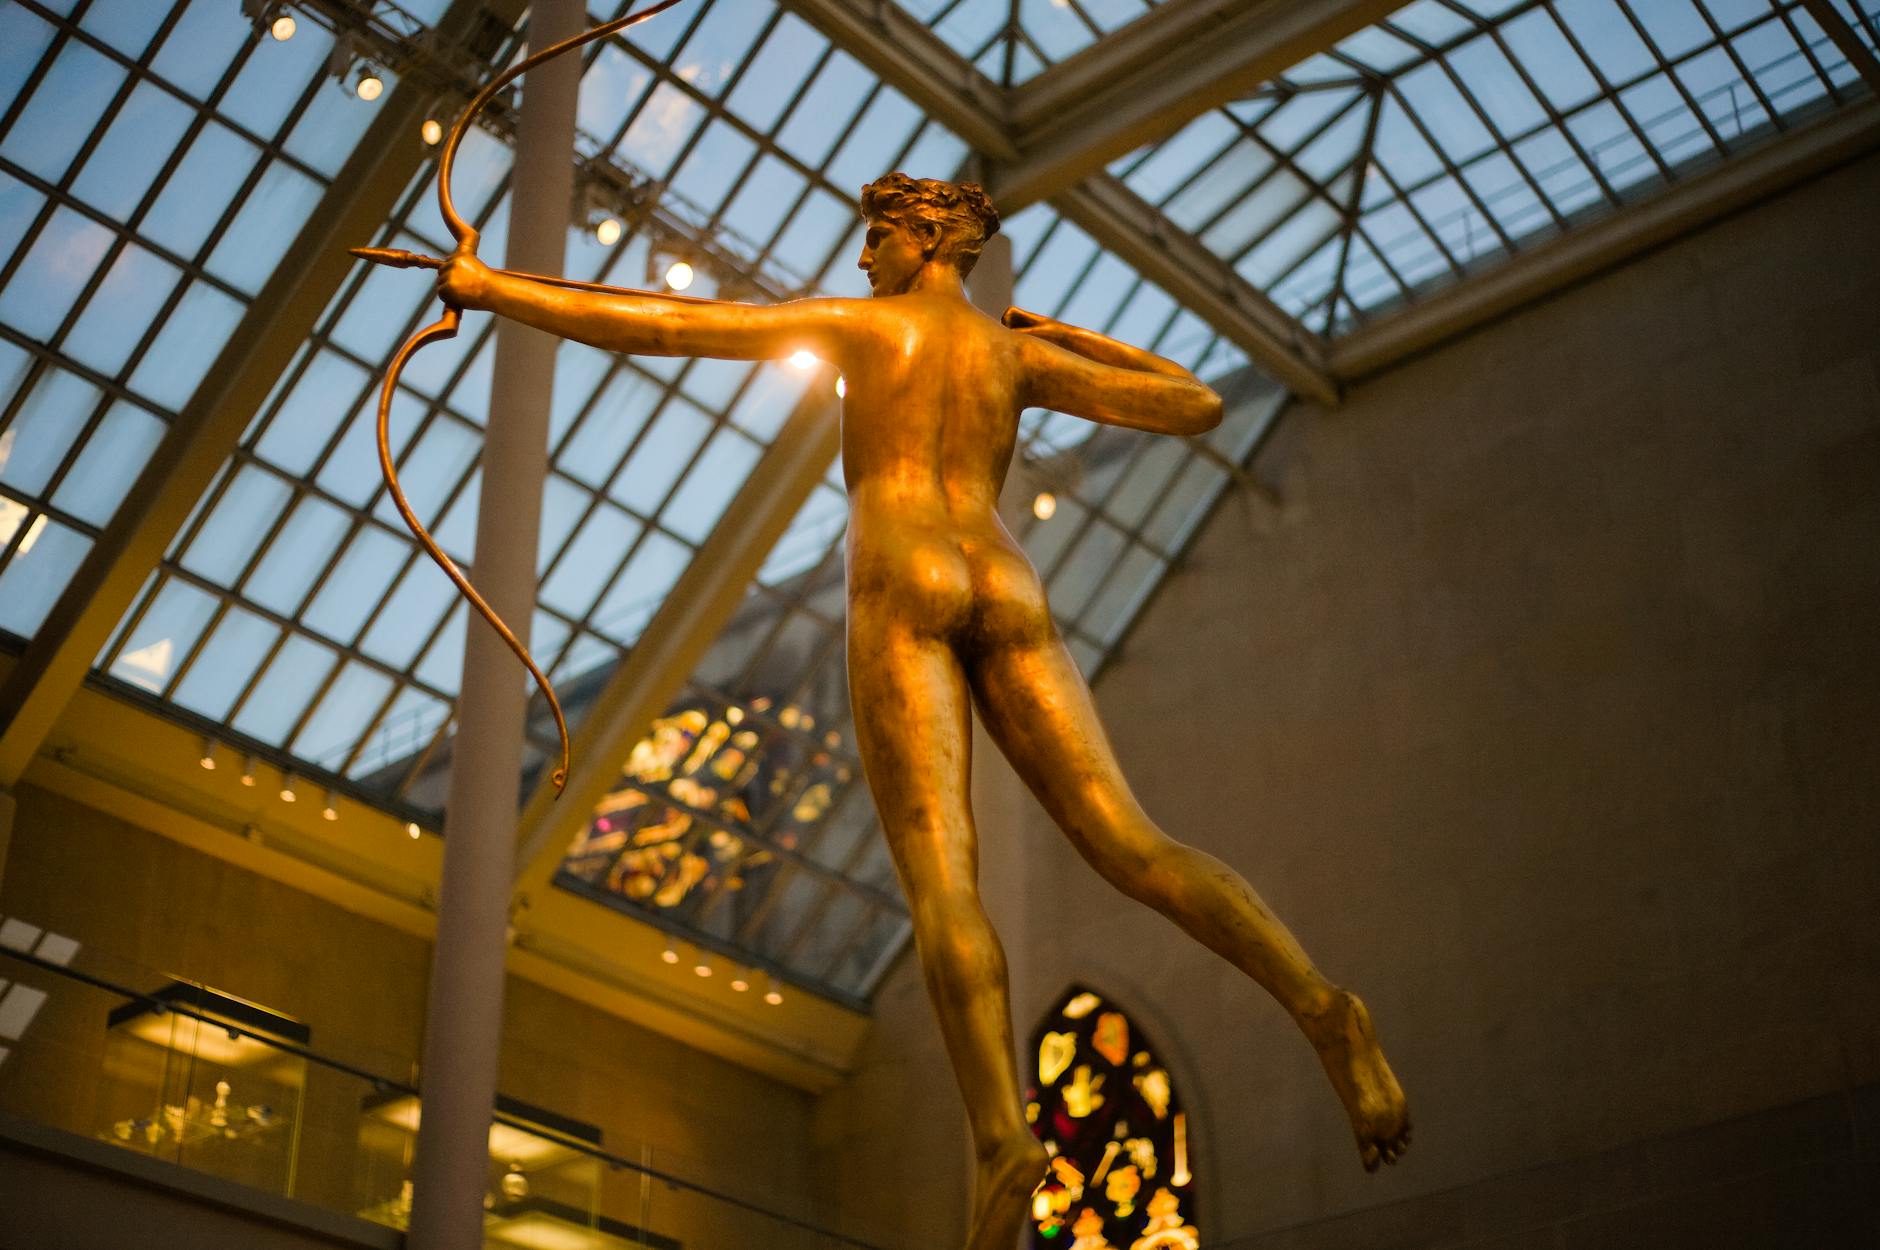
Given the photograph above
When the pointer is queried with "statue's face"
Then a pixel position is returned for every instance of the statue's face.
(891, 256)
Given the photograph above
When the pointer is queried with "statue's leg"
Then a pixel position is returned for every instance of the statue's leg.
(912, 723)
(1039, 710)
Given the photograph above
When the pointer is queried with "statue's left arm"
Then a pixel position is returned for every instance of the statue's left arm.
(647, 323)
(1092, 375)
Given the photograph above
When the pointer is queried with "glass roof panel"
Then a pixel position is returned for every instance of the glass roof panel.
(145, 196)
(1011, 41)
(1462, 134)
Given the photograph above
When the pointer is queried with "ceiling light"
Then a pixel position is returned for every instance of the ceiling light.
(1044, 507)
(331, 809)
(248, 770)
(703, 967)
(411, 829)
(207, 757)
(679, 275)
(608, 231)
(772, 994)
(283, 28)
(740, 980)
(287, 789)
(432, 131)
(371, 86)
(670, 954)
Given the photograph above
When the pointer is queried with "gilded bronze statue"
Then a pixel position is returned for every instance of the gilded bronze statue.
(945, 613)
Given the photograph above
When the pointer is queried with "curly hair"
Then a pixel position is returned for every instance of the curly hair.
(962, 212)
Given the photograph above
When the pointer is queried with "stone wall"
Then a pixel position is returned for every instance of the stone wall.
(1544, 710)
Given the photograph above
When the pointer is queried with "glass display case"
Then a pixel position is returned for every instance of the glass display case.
(200, 1077)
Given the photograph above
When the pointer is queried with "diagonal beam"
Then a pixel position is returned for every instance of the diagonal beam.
(1181, 264)
(1841, 136)
(207, 430)
(1858, 54)
(1145, 82)
(913, 60)
(644, 685)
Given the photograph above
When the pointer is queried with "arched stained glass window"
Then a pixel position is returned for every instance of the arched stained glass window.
(1106, 1108)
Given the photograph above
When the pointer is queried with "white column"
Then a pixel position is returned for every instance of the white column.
(464, 1017)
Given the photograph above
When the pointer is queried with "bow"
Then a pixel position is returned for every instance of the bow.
(445, 327)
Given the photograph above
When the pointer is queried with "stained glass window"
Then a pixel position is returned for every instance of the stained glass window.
(1106, 1109)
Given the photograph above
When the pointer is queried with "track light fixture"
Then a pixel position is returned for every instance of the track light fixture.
(669, 953)
(206, 756)
(248, 770)
(772, 993)
(330, 809)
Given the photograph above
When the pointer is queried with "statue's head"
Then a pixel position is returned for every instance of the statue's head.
(913, 221)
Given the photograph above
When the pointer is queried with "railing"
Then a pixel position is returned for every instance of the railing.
(177, 1070)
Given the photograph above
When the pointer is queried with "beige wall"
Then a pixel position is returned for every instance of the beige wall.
(144, 905)
(1544, 711)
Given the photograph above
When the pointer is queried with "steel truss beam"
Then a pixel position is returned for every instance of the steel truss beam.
(909, 57)
(1146, 81)
(1181, 264)
(199, 442)
(1842, 136)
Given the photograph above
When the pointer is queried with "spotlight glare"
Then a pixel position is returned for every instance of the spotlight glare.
(283, 28)
(371, 86)
(608, 231)
(432, 132)
(1044, 507)
(679, 275)
(842, 388)
(803, 359)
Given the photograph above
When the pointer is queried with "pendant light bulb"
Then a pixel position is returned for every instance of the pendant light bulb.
(608, 231)
(371, 86)
(679, 275)
(432, 132)
(283, 28)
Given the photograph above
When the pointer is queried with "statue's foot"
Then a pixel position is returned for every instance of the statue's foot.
(1002, 1189)
(1347, 1046)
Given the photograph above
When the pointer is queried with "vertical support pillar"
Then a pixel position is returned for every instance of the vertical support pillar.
(464, 1015)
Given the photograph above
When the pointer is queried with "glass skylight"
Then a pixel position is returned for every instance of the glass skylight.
(1011, 41)
(1453, 135)
(155, 161)
(295, 609)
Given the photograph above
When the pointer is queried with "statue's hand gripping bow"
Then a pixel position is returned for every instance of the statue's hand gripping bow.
(445, 327)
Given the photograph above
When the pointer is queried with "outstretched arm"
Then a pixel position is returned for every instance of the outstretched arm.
(647, 324)
(1092, 375)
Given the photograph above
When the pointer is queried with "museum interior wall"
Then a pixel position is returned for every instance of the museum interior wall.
(147, 908)
(1542, 709)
